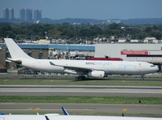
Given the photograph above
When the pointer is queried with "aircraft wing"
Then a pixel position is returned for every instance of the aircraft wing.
(82, 70)
(76, 68)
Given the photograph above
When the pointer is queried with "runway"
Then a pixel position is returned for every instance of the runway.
(80, 90)
(77, 107)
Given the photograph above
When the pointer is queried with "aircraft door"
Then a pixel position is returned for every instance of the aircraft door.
(142, 67)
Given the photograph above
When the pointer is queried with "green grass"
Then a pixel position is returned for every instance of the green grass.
(72, 82)
(69, 80)
(72, 77)
(81, 99)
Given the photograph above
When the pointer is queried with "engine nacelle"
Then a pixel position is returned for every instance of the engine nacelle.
(98, 74)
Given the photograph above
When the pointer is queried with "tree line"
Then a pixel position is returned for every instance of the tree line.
(21, 31)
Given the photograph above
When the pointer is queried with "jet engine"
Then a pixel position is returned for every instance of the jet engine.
(98, 74)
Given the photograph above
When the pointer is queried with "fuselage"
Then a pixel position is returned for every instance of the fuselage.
(71, 117)
(41, 65)
(110, 67)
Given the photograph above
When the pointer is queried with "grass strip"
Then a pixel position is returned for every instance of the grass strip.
(81, 99)
(71, 82)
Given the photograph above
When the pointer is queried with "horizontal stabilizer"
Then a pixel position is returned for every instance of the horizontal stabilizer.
(14, 60)
(8, 60)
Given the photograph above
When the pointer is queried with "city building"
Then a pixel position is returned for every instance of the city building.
(8, 13)
(37, 15)
(26, 14)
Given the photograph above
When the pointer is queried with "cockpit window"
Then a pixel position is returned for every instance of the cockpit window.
(152, 66)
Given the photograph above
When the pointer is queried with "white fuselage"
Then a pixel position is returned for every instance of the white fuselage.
(41, 65)
(110, 67)
(71, 117)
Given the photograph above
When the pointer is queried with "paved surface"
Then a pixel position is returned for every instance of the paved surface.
(79, 90)
(76, 107)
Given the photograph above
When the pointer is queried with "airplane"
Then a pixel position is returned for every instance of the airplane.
(66, 116)
(71, 117)
(82, 68)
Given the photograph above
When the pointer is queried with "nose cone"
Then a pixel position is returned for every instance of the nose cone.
(153, 68)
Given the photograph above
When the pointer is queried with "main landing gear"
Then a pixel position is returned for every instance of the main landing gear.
(80, 77)
(142, 77)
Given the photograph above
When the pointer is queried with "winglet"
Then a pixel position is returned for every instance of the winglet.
(64, 111)
(1, 113)
(47, 118)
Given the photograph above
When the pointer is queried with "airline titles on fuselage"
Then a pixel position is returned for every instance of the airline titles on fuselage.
(99, 63)
(124, 66)
(121, 66)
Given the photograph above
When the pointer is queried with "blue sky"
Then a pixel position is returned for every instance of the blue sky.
(95, 9)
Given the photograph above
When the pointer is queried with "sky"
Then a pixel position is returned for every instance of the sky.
(91, 9)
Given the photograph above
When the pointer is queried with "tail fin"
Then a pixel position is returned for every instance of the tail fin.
(15, 51)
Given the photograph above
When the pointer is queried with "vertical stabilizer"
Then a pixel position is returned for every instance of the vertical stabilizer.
(15, 51)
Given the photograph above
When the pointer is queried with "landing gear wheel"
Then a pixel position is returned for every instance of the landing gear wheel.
(142, 77)
(79, 77)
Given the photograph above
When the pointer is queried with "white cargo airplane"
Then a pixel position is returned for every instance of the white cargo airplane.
(82, 68)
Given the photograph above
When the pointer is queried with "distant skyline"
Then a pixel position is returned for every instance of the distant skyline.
(91, 9)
